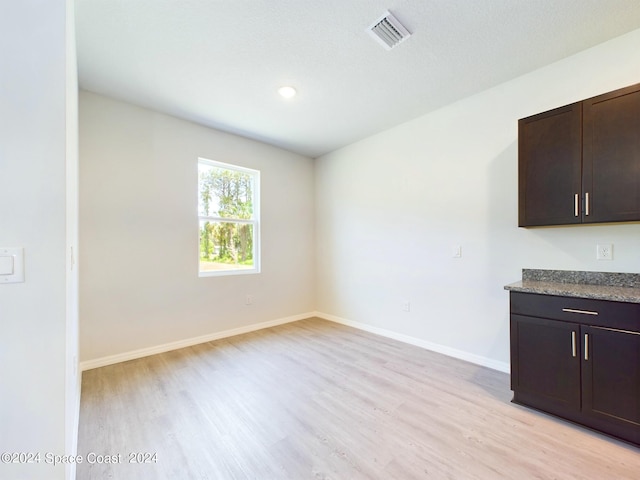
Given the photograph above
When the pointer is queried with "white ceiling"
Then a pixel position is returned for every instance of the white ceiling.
(220, 62)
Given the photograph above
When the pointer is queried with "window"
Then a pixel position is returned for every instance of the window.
(229, 214)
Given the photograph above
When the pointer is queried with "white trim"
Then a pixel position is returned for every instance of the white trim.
(71, 469)
(228, 166)
(228, 271)
(434, 347)
(145, 352)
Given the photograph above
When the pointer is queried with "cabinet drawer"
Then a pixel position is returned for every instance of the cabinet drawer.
(578, 310)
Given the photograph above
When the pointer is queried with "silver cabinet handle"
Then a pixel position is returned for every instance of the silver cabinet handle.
(584, 312)
(586, 346)
(576, 201)
(573, 343)
(586, 203)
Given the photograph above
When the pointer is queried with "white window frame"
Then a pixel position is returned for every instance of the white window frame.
(255, 221)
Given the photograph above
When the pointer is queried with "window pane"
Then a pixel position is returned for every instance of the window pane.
(226, 246)
(224, 192)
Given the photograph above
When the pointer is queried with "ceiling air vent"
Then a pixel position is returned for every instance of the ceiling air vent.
(388, 31)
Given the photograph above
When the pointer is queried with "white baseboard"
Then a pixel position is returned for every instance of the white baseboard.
(145, 352)
(451, 352)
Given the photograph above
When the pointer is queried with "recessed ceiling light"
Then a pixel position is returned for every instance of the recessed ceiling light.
(287, 92)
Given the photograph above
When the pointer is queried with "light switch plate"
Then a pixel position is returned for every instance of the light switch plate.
(11, 265)
(6, 264)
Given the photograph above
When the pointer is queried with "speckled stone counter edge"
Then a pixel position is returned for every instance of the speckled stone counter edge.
(618, 287)
(631, 280)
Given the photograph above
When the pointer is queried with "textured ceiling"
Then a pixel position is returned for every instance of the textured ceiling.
(219, 62)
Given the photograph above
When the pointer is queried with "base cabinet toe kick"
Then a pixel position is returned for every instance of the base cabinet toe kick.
(578, 359)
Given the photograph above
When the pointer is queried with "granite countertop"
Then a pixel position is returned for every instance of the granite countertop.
(618, 287)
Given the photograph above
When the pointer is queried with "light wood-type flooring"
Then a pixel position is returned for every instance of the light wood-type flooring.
(318, 400)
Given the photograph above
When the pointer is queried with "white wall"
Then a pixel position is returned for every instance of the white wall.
(391, 208)
(73, 375)
(139, 232)
(38, 387)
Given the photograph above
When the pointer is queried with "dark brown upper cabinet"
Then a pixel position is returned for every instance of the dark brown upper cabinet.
(550, 167)
(581, 163)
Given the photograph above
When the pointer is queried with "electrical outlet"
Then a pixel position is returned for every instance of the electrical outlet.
(604, 251)
(248, 300)
(406, 306)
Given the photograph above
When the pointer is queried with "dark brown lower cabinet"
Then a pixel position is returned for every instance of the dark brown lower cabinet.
(543, 367)
(578, 359)
(611, 380)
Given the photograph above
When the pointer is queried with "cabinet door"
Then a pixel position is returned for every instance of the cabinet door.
(611, 380)
(611, 156)
(545, 364)
(549, 167)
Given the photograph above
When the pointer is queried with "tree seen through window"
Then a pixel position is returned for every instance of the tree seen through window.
(227, 213)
